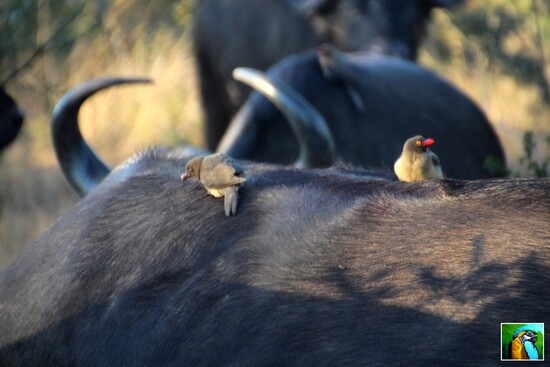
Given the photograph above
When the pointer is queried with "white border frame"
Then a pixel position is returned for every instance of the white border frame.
(523, 360)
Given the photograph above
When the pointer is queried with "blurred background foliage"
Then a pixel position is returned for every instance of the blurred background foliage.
(494, 50)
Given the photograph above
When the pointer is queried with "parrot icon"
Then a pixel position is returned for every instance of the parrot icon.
(523, 345)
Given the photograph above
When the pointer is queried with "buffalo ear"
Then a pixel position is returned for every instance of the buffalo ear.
(310, 7)
(444, 3)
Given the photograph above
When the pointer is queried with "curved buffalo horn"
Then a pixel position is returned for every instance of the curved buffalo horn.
(317, 147)
(82, 167)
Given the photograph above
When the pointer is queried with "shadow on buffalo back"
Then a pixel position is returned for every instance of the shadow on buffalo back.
(170, 319)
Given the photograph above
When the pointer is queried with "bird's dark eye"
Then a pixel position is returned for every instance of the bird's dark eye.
(418, 143)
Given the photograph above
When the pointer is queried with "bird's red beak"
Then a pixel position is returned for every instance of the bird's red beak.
(184, 177)
(428, 142)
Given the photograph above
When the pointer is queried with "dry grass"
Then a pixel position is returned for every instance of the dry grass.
(117, 123)
(121, 121)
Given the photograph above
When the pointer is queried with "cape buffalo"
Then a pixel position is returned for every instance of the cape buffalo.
(319, 267)
(233, 33)
(371, 104)
(84, 169)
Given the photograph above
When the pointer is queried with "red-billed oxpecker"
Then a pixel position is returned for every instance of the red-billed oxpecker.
(417, 162)
(220, 175)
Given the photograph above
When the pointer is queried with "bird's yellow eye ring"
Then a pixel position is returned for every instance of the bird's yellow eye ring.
(418, 143)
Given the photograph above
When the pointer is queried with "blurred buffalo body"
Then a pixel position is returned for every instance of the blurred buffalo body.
(257, 34)
(372, 104)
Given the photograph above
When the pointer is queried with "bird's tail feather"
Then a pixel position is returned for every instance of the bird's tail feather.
(234, 202)
(230, 201)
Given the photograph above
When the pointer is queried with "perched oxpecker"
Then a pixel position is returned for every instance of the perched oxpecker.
(417, 162)
(523, 345)
(220, 175)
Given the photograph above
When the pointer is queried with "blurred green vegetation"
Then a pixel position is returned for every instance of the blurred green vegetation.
(507, 37)
(494, 50)
(539, 169)
(32, 27)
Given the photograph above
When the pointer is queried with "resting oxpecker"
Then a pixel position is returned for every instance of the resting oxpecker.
(417, 162)
(220, 175)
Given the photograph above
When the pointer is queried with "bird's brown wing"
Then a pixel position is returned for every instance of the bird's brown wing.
(236, 166)
(231, 196)
(220, 172)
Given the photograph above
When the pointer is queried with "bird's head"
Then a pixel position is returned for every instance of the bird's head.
(331, 60)
(192, 168)
(529, 335)
(418, 144)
